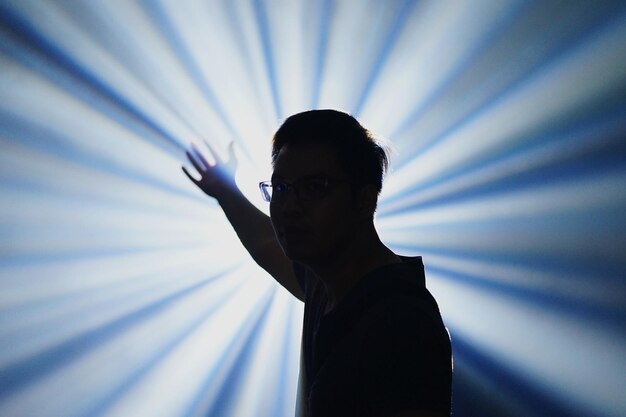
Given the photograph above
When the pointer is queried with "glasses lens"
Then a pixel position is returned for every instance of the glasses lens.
(313, 188)
(266, 191)
(279, 189)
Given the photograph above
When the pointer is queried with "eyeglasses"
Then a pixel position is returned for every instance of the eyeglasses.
(306, 189)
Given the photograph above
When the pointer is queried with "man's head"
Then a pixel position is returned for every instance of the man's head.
(360, 156)
(328, 173)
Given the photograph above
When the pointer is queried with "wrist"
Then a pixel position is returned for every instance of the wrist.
(227, 193)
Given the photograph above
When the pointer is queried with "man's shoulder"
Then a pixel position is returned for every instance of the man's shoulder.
(389, 284)
(402, 313)
(397, 298)
(401, 285)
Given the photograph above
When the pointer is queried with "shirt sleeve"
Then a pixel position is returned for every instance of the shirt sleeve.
(404, 359)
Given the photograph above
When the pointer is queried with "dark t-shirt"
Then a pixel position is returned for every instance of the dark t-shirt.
(381, 350)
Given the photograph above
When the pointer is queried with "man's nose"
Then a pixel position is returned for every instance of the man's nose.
(290, 203)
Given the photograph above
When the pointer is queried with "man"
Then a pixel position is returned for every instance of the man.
(373, 340)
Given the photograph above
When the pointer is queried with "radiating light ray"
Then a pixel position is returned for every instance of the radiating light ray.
(118, 389)
(268, 54)
(235, 370)
(68, 342)
(57, 111)
(572, 292)
(240, 18)
(429, 34)
(39, 151)
(112, 80)
(575, 148)
(290, 361)
(71, 306)
(153, 56)
(194, 363)
(31, 284)
(113, 225)
(518, 112)
(483, 375)
(265, 369)
(398, 22)
(285, 53)
(593, 192)
(162, 21)
(368, 22)
(115, 351)
(30, 287)
(123, 282)
(531, 343)
(319, 45)
(185, 23)
(506, 63)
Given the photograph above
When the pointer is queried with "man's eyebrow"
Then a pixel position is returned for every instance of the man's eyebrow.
(307, 176)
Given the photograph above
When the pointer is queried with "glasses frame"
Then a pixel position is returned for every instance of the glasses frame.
(263, 185)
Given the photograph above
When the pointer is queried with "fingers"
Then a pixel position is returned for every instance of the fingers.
(195, 181)
(200, 157)
(200, 162)
(194, 162)
(218, 160)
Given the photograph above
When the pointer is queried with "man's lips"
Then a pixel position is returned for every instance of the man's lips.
(293, 231)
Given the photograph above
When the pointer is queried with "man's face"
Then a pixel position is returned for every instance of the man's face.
(315, 230)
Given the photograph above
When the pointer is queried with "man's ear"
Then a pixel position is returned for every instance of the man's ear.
(367, 199)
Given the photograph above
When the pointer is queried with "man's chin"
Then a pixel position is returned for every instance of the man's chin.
(298, 253)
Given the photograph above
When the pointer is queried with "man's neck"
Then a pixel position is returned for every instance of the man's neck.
(364, 254)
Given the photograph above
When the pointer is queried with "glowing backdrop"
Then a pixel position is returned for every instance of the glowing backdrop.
(124, 291)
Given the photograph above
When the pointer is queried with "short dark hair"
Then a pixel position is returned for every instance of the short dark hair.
(362, 157)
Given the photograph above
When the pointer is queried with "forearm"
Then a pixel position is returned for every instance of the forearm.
(253, 227)
(255, 231)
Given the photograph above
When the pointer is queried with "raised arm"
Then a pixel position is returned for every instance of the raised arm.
(253, 227)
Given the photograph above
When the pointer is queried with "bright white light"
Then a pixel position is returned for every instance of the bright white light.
(122, 281)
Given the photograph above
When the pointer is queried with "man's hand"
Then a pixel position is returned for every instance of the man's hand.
(253, 227)
(215, 179)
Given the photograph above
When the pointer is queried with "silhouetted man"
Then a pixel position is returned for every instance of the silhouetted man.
(373, 341)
